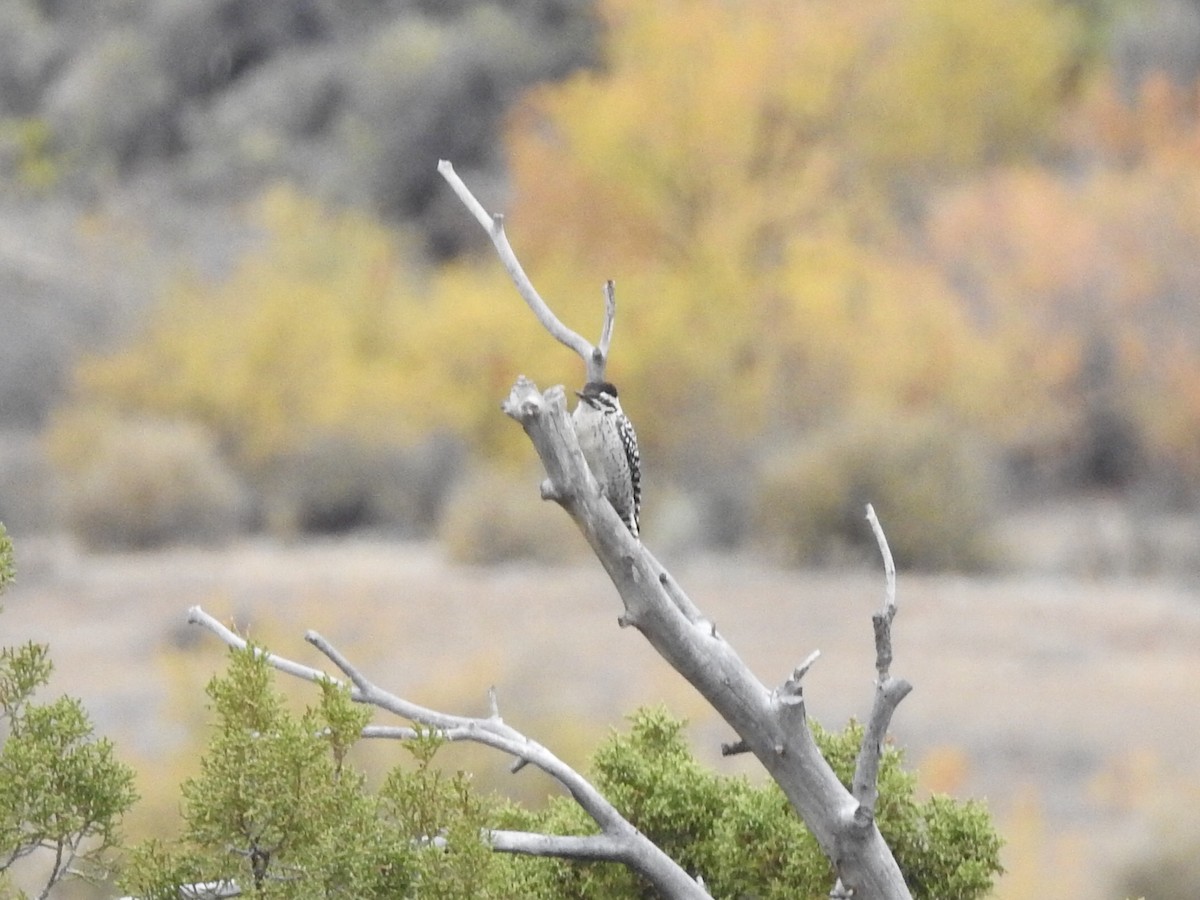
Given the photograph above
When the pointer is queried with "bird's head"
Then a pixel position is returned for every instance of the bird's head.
(598, 393)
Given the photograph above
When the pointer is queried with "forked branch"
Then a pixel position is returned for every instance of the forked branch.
(595, 358)
(771, 724)
(889, 691)
(618, 840)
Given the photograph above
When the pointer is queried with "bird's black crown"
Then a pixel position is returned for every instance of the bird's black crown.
(594, 389)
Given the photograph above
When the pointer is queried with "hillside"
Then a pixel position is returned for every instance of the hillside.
(132, 132)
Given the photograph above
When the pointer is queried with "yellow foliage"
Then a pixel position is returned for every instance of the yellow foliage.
(955, 85)
(289, 346)
(328, 329)
(750, 122)
(27, 144)
(734, 166)
(705, 126)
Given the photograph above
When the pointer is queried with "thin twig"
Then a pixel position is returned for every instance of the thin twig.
(599, 358)
(889, 565)
(591, 847)
(493, 704)
(802, 669)
(464, 194)
(197, 616)
(494, 226)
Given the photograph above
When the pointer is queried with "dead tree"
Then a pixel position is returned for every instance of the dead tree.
(771, 723)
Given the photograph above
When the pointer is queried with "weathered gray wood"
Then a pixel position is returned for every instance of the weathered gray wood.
(771, 723)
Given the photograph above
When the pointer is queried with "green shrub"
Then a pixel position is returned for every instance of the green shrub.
(279, 803)
(278, 807)
(496, 516)
(930, 486)
(744, 839)
(144, 483)
(62, 790)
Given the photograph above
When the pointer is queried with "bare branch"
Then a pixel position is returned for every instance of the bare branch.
(682, 600)
(624, 842)
(599, 359)
(399, 733)
(888, 691)
(348, 669)
(197, 616)
(212, 890)
(493, 704)
(802, 669)
(889, 565)
(591, 847)
(792, 691)
(206, 890)
(494, 226)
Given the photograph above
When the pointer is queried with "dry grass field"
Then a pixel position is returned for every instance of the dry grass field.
(1068, 704)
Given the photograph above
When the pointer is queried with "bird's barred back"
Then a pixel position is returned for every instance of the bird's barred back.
(609, 445)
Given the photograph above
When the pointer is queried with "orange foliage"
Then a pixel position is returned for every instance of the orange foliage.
(1161, 122)
(944, 770)
(1056, 267)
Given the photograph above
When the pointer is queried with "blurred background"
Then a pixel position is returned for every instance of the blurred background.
(942, 256)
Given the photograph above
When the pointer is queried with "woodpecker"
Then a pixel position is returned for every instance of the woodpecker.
(610, 446)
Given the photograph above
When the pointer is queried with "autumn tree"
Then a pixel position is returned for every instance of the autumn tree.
(1085, 277)
(753, 170)
(757, 172)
